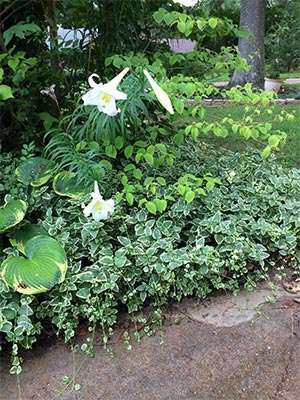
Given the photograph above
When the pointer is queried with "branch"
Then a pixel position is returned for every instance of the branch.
(15, 10)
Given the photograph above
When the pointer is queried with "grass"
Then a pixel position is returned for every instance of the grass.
(291, 74)
(289, 155)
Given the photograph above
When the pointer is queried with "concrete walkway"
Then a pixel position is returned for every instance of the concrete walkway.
(227, 348)
(289, 81)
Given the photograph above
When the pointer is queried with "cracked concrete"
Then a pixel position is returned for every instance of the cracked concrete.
(225, 348)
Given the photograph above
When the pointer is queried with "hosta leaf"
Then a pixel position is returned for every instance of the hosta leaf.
(35, 171)
(27, 232)
(66, 184)
(45, 266)
(11, 214)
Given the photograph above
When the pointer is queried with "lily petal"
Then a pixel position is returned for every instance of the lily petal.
(112, 91)
(87, 210)
(161, 95)
(110, 108)
(117, 79)
(96, 191)
(92, 97)
(91, 81)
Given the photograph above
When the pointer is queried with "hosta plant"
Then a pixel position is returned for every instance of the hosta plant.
(11, 214)
(42, 266)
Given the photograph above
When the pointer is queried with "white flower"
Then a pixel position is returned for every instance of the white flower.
(186, 3)
(99, 208)
(105, 95)
(161, 95)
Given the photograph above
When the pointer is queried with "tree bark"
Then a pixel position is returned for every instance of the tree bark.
(252, 18)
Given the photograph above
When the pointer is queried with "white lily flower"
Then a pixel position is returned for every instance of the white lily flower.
(99, 208)
(105, 95)
(161, 95)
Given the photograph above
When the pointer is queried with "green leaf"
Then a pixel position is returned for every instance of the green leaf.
(137, 173)
(119, 142)
(25, 233)
(12, 213)
(48, 120)
(201, 24)
(66, 184)
(35, 171)
(5, 92)
(111, 151)
(128, 151)
(181, 26)
(274, 140)
(159, 15)
(129, 198)
(149, 158)
(161, 204)
(151, 207)
(178, 105)
(189, 196)
(161, 180)
(213, 22)
(45, 266)
(6, 326)
(266, 151)
(20, 30)
(13, 63)
(83, 293)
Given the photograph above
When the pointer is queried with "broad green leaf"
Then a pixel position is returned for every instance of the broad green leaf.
(11, 214)
(149, 158)
(35, 171)
(20, 30)
(66, 184)
(129, 198)
(128, 151)
(201, 23)
(213, 22)
(274, 140)
(266, 151)
(119, 142)
(111, 151)
(5, 92)
(43, 266)
(24, 234)
(189, 196)
(159, 15)
(13, 63)
(151, 207)
(161, 204)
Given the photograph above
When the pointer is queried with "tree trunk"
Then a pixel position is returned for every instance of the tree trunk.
(50, 11)
(252, 17)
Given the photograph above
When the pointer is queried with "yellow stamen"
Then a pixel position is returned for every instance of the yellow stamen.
(99, 206)
(105, 98)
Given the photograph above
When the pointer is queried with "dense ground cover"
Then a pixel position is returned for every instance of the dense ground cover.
(246, 223)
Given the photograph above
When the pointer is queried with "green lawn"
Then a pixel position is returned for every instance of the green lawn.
(289, 155)
(291, 74)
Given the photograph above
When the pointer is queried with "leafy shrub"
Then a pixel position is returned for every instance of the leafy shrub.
(230, 236)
